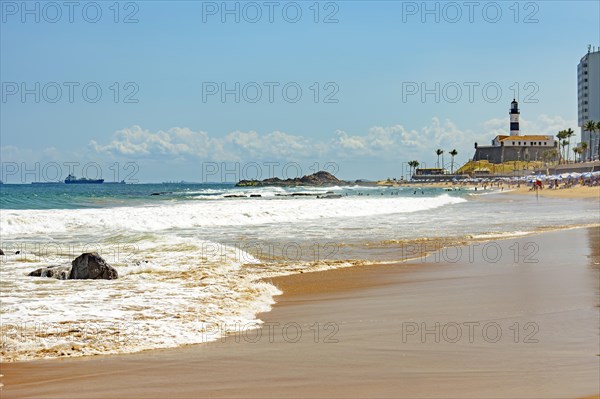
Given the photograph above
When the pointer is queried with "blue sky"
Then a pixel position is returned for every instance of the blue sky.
(363, 120)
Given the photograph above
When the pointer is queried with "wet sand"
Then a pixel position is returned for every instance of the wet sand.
(361, 334)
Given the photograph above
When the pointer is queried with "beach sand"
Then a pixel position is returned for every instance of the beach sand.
(575, 192)
(572, 192)
(363, 348)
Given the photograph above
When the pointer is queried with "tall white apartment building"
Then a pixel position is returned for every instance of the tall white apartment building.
(588, 93)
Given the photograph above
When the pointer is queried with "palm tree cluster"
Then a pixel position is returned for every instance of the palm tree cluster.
(452, 153)
(439, 152)
(563, 139)
(582, 150)
(413, 166)
(549, 156)
(591, 127)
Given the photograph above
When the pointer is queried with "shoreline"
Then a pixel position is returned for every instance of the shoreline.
(309, 298)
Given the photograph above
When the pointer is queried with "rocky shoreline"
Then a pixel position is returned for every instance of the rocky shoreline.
(319, 179)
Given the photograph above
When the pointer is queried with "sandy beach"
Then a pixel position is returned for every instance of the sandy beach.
(571, 192)
(460, 323)
(575, 192)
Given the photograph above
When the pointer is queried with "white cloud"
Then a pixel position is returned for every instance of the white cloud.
(136, 141)
(275, 144)
(544, 124)
(385, 143)
(184, 142)
(397, 142)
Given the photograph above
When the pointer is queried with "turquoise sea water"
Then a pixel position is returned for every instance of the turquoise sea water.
(63, 196)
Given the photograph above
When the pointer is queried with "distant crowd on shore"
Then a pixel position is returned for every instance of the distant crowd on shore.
(553, 184)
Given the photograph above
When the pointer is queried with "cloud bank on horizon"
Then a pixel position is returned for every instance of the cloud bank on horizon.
(392, 141)
(352, 151)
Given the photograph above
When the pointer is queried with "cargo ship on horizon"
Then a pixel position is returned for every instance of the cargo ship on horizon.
(84, 180)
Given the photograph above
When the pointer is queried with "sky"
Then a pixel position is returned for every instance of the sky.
(152, 91)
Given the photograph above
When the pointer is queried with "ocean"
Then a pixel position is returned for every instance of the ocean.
(192, 262)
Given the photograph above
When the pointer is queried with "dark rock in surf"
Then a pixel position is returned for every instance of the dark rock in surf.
(87, 266)
(92, 266)
(60, 272)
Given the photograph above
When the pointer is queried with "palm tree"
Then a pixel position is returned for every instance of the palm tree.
(577, 151)
(413, 166)
(554, 155)
(569, 133)
(591, 127)
(438, 153)
(549, 156)
(452, 153)
(584, 147)
(544, 157)
(562, 135)
(563, 144)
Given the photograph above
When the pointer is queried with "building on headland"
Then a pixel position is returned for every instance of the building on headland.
(588, 96)
(430, 172)
(514, 146)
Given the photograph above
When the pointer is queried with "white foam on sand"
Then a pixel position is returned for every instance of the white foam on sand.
(177, 293)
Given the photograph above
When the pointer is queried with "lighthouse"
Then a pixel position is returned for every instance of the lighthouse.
(514, 118)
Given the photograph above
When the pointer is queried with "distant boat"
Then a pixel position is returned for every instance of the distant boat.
(73, 180)
(115, 182)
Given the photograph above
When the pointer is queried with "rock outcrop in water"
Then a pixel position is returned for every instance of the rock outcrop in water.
(60, 272)
(92, 266)
(315, 180)
(87, 266)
